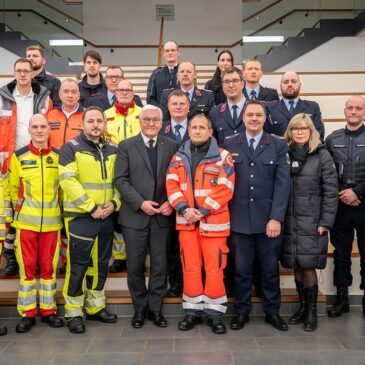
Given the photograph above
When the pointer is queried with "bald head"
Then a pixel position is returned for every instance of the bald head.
(38, 130)
(354, 111)
(290, 85)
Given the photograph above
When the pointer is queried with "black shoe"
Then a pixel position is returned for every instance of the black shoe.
(25, 324)
(102, 316)
(310, 320)
(299, 315)
(217, 325)
(138, 320)
(62, 270)
(277, 322)
(3, 331)
(52, 321)
(75, 325)
(12, 267)
(157, 318)
(239, 321)
(173, 292)
(189, 322)
(363, 305)
(341, 304)
(118, 266)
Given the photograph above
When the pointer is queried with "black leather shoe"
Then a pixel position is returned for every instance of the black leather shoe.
(118, 266)
(25, 324)
(157, 318)
(239, 321)
(189, 322)
(138, 320)
(75, 325)
(173, 292)
(341, 304)
(102, 316)
(52, 321)
(12, 267)
(217, 325)
(3, 331)
(277, 322)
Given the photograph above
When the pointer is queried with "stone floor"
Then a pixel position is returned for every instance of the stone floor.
(337, 341)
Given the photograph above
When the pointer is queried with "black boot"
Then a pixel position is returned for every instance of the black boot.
(3, 331)
(12, 267)
(310, 320)
(298, 316)
(341, 304)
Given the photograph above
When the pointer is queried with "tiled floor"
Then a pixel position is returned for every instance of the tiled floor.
(337, 341)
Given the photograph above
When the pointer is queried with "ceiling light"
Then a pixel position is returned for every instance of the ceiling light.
(66, 42)
(257, 39)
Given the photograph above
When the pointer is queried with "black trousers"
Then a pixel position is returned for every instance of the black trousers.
(156, 239)
(348, 219)
(173, 261)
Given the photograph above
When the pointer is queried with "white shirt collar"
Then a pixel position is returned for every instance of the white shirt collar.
(146, 140)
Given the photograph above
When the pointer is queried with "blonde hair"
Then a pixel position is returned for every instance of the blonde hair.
(303, 120)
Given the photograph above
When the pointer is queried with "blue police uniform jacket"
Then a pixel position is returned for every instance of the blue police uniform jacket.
(278, 116)
(202, 101)
(265, 94)
(101, 100)
(262, 185)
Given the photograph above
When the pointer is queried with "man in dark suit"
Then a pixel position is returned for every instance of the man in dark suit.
(145, 216)
(252, 73)
(227, 117)
(201, 100)
(280, 112)
(106, 98)
(257, 212)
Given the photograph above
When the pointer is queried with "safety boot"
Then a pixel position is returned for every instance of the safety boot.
(3, 331)
(341, 304)
(298, 316)
(12, 267)
(311, 320)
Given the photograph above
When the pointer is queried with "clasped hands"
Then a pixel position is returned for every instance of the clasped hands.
(104, 211)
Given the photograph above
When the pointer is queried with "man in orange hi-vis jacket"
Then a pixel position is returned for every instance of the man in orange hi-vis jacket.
(200, 183)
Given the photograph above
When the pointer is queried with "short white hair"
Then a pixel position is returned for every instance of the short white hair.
(147, 108)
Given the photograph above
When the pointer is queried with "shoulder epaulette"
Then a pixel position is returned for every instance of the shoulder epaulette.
(22, 151)
(276, 136)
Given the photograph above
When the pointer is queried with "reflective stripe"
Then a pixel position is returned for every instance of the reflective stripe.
(77, 202)
(212, 169)
(26, 288)
(214, 227)
(33, 204)
(220, 300)
(7, 203)
(67, 174)
(216, 307)
(10, 236)
(47, 287)
(225, 181)
(9, 245)
(198, 299)
(95, 294)
(77, 312)
(81, 238)
(95, 302)
(24, 301)
(175, 196)
(202, 192)
(96, 186)
(44, 299)
(2, 219)
(224, 154)
(30, 219)
(2, 233)
(172, 177)
(184, 186)
(181, 220)
(119, 246)
(75, 301)
(8, 212)
(187, 305)
(214, 204)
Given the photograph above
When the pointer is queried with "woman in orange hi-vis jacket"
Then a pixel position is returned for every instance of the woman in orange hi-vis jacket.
(200, 183)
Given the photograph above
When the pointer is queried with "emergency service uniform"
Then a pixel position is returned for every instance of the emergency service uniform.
(209, 190)
(34, 191)
(86, 176)
(122, 123)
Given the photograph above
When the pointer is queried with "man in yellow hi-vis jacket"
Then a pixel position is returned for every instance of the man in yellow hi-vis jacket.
(86, 169)
(34, 192)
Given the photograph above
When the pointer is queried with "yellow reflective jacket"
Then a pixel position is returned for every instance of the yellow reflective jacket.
(2, 211)
(119, 127)
(34, 189)
(86, 176)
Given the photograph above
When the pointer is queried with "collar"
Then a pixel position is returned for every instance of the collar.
(240, 104)
(91, 143)
(256, 138)
(355, 132)
(256, 89)
(146, 139)
(37, 151)
(286, 101)
(121, 110)
(72, 111)
(16, 93)
(184, 124)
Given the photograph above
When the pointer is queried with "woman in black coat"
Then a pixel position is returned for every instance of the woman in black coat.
(311, 213)
(224, 61)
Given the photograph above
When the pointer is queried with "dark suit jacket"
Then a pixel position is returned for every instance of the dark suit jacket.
(135, 182)
(201, 102)
(265, 94)
(278, 116)
(222, 123)
(101, 100)
(262, 184)
(167, 131)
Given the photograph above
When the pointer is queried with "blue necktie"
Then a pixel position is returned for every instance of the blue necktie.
(171, 75)
(253, 95)
(235, 116)
(291, 108)
(114, 99)
(177, 133)
(252, 150)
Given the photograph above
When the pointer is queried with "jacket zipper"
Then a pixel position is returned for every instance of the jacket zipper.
(64, 133)
(103, 171)
(42, 178)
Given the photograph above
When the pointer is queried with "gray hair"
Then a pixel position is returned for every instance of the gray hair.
(149, 107)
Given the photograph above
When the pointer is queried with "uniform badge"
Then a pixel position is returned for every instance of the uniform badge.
(223, 107)
(287, 158)
(168, 128)
(197, 92)
(214, 181)
(49, 160)
(295, 164)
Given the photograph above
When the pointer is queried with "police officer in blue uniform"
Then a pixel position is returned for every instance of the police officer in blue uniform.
(257, 212)
(201, 101)
(227, 117)
(280, 112)
(164, 77)
(347, 147)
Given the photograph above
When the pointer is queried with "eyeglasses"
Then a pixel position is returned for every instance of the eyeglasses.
(151, 120)
(127, 91)
(25, 72)
(299, 129)
(114, 77)
(234, 81)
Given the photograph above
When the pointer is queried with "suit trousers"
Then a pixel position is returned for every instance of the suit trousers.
(174, 262)
(244, 248)
(155, 238)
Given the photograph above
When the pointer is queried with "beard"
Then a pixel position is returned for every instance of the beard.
(37, 67)
(291, 95)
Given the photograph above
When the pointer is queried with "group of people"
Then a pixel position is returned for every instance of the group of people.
(219, 185)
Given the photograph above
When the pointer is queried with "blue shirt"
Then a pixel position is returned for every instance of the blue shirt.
(249, 90)
(256, 138)
(286, 101)
(182, 130)
(240, 106)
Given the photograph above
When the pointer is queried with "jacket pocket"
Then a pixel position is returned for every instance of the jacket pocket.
(222, 257)
(269, 168)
